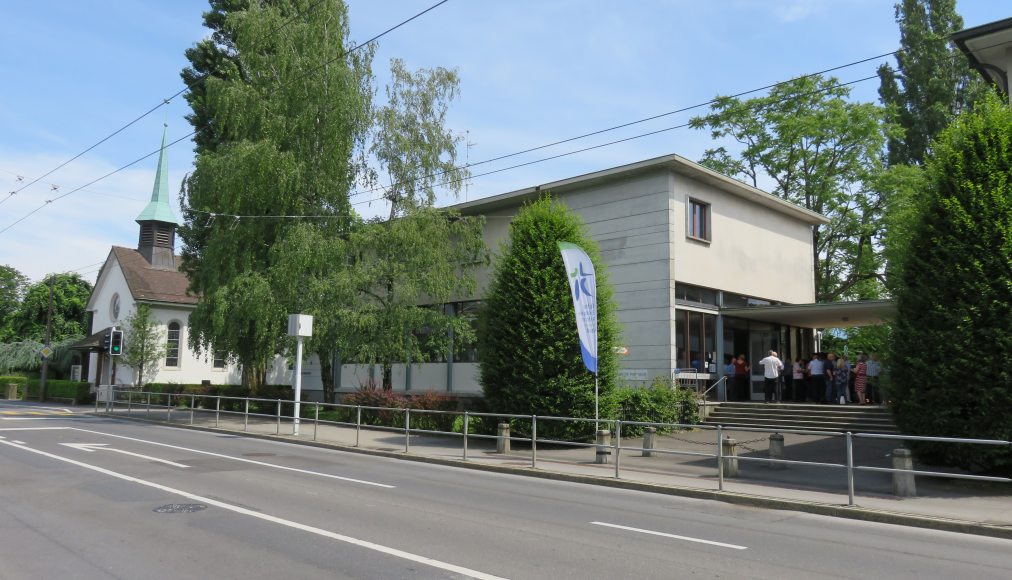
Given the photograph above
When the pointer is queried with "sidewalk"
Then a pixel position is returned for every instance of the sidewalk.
(949, 504)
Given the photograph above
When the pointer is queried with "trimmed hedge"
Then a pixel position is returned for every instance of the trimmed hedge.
(374, 397)
(18, 380)
(661, 402)
(271, 393)
(60, 389)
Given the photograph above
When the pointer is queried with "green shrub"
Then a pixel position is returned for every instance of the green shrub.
(60, 389)
(661, 402)
(18, 380)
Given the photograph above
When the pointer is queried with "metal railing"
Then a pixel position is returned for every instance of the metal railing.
(187, 403)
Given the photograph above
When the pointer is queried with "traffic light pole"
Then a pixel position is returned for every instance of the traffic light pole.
(49, 338)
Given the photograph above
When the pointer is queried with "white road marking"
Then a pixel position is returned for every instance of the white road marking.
(33, 428)
(666, 535)
(243, 459)
(92, 447)
(274, 519)
(18, 442)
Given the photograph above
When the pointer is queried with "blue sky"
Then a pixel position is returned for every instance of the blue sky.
(532, 72)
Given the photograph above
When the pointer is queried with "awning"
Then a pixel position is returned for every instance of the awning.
(824, 315)
(93, 342)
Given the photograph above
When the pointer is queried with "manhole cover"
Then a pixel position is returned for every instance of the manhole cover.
(180, 508)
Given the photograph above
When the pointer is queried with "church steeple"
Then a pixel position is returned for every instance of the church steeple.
(158, 223)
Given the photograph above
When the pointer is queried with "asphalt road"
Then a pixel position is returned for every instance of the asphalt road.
(84, 497)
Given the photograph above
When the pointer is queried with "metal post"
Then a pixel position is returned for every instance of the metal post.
(217, 411)
(316, 422)
(149, 404)
(618, 443)
(245, 417)
(534, 441)
(358, 423)
(193, 403)
(98, 390)
(407, 430)
(279, 417)
(720, 461)
(168, 407)
(130, 400)
(850, 469)
(298, 384)
(465, 435)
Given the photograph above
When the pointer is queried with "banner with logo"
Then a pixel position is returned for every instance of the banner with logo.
(583, 288)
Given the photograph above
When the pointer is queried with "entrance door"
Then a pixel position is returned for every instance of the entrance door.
(760, 343)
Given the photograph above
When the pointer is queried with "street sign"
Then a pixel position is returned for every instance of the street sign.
(46, 352)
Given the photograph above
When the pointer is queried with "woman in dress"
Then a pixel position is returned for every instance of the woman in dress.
(861, 379)
(841, 378)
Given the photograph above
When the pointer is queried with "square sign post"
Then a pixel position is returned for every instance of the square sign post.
(300, 326)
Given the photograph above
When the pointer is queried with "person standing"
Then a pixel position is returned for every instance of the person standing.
(798, 379)
(861, 379)
(816, 379)
(772, 367)
(841, 378)
(830, 395)
(741, 373)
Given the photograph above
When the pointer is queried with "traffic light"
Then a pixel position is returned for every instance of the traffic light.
(106, 340)
(116, 343)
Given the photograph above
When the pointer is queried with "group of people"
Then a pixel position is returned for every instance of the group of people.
(825, 379)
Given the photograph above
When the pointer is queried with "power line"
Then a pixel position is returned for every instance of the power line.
(331, 61)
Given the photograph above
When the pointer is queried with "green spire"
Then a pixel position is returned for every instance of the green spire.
(158, 209)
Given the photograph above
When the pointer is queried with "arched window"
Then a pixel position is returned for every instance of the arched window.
(172, 346)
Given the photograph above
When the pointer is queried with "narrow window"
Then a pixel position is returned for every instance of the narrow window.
(218, 360)
(699, 220)
(172, 346)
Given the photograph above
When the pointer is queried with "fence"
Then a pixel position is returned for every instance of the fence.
(460, 424)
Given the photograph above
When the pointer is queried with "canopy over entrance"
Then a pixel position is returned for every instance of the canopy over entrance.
(825, 315)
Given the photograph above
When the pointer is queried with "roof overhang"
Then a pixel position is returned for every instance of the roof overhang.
(824, 315)
(91, 343)
(987, 48)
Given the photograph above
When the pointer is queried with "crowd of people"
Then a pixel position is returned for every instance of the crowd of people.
(827, 378)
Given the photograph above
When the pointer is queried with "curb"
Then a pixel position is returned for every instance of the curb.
(735, 498)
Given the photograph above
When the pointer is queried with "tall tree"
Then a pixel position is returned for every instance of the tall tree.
(283, 113)
(954, 302)
(12, 289)
(932, 81)
(70, 298)
(816, 149)
(528, 344)
(144, 344)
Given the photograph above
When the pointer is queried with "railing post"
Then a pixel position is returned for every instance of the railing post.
(534, 441)
(193, 403)
(217, 411)
(168, 407)
(279, 417)
(316, 422)
(720, 460)
(618, 443)
(245, 416)
(850, 469)
(98, 391)
(358, 423)
(466, 417)
(130, 401)
(407, 430)
(149, 404)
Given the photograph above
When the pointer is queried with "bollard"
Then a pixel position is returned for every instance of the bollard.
(502, 444)
(603, 445)
(777, 450)
(648, 441)
(729, 448)
(903, 483)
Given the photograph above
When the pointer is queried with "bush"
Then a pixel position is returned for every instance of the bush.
(20, 381)
(59, 389)
(661, 402)
(953, 327)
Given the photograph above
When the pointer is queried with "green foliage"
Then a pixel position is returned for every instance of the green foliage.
(821, 152)
(857, 340)
(70, 298)
(528, 343)
(58, 389)
(953, 328)
(24, 356)
(12, 288)
(932, 82)
(144, 345)
(382, 399)
(18, 380)
(661, 402)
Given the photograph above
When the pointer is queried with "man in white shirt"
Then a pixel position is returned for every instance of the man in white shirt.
(772, 367)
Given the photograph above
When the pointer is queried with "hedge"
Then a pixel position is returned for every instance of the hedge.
(79, 391)
(18, 380)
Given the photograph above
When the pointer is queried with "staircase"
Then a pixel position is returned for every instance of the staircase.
(853, 418)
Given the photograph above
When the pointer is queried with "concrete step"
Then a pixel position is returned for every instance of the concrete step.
(857, 409)
(853, 418)
(803, 416)
(777, 426)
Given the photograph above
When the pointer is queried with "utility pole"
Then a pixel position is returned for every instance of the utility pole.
(49, 337)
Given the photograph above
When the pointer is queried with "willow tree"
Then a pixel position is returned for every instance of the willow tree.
(818, 150)
(282, 108)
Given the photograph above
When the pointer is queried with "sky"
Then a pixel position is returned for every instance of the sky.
(532, 72)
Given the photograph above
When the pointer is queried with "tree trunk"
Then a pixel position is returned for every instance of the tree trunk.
(327, 375)
(388, 376)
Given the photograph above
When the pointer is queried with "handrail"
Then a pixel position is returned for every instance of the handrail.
(722, 379)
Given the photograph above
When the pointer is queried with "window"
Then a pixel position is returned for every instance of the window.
(695, 339)
(172, 346)
(218, 360)
(699, 220)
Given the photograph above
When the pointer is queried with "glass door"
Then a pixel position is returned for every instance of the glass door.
(761, 341)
